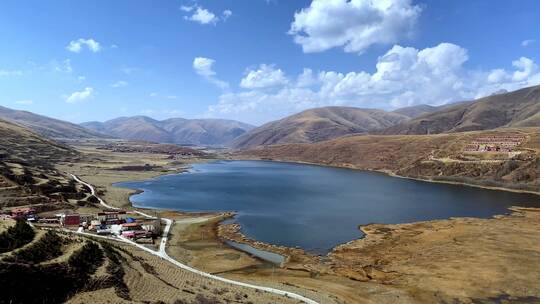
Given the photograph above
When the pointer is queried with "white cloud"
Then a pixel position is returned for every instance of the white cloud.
(404, 76)
(119, 84)
(526, 43)
(204, 67)
(226, 14)
(525, 68)
(76, 46)
(354, 25)
(80, 96)
(25, 102)
(264, 77)
(202, 15)
(186, 8)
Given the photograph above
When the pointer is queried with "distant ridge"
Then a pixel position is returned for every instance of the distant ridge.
(415, 111)
(519, 108)
(48, 127)
(207, 132)
(317, 125)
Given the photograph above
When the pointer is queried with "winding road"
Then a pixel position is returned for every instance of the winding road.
(163, 254)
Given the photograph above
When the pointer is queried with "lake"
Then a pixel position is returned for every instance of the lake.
(315, 207)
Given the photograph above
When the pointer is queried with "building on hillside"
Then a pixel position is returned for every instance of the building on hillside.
(70, 220)
(112, 217)
(22, 213)
(88, 218)
(494, 143)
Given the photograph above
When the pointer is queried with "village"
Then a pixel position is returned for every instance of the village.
(495, 143)
(107, 222)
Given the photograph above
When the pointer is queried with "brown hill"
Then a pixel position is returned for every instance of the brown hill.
(416, 111)
(317, 125)
(27, 174)
(208, 132)
(520, 108)
(432, 157)
(46, 126)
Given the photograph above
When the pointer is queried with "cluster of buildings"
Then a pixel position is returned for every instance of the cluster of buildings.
(26, 213)
(495, 143)
(102, 223)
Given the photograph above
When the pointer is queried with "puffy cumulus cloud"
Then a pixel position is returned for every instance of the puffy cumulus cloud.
(202, 15)
(404, 76)
(525, 74)
(80, 96)
(76, 46)
(264, 77)
(354, 25)
(204, 67)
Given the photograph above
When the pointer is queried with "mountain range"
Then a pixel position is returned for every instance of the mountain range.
(318, 124)
(520, 108)
(208, 132)
(48, 127)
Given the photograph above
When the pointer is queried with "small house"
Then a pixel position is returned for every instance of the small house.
(70, 220)
(19, 213)
(87, 218)
(131, 226)
(112, 217)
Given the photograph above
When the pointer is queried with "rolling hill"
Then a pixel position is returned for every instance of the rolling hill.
(520, 108)
(416, 111)
(208, 132)
(438, 157)
(27, 174)
(48, 127)
(317, 125)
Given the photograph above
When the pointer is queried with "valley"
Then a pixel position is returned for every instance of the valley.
(269, 152)
(380, 263)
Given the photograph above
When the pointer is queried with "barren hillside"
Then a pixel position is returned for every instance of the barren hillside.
(48, 127)
(437, 157)
(27, 174)
(520, 108)
(211, 132)
(317, 125)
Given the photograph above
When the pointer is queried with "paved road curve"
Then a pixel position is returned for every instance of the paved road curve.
(163, 254)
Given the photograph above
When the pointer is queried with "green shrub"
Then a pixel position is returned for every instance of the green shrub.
(46, 248)
(87, 259)
(16, 236)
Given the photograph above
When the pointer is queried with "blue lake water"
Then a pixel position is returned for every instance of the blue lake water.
(314, 207)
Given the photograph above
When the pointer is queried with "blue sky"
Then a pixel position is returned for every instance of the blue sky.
(258, 60)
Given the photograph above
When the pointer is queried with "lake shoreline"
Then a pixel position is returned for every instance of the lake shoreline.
(374, 271)
(232, 232)
(393, 174)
